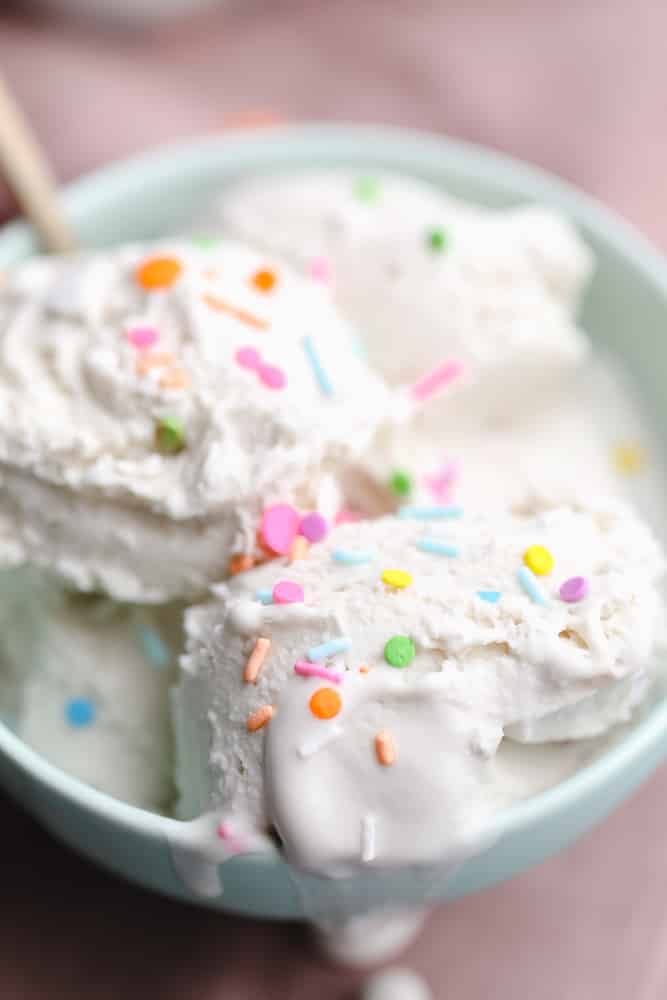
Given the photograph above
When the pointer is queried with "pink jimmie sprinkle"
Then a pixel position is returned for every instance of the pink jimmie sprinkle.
(320, 270)
(574, 589)
(437, 380)
(274, 378)
(286, 592)
(347, 517)
(248, 357)
(143, 336)
(305, 669)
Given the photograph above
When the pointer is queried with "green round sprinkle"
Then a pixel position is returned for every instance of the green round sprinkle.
(170, 436)
(367, 189)
(437, 239)
(399, 651)
(401, 483)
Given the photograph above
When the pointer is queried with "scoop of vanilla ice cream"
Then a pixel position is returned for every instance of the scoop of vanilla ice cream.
(427, 278)
(85, 682)
(430, 637)
(154, 399)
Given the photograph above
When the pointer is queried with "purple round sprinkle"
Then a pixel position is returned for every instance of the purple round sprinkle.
(574, 589)
(314, 527)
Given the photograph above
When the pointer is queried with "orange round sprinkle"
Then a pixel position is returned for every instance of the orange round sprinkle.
(239, 564)
(265, 280)
(326, 703)
(364, 669)
(159, 272)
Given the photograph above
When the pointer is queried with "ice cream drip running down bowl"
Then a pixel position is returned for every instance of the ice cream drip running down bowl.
(196, 858)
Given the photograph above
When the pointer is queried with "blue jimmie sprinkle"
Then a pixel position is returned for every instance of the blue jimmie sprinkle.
(316, 365)
(528, 581)
(325, 649)
(438, 547)
(350, 557)
(491, 596)
(155, 648)
(80, 712)
(264, 596)
(436, 513)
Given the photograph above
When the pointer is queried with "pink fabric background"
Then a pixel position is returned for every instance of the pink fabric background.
(579, 88)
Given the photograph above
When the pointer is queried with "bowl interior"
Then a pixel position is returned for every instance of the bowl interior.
(625, 309)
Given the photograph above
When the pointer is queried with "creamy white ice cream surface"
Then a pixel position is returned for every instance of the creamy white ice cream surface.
(428, 279)
(155, 400)
(356, 701)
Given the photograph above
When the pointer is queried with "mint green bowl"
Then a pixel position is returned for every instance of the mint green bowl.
(626, 310)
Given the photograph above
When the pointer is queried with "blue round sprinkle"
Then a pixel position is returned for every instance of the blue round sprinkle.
(80, 712)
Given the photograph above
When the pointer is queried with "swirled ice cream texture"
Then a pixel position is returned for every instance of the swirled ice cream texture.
(85, 488)
(482, 672)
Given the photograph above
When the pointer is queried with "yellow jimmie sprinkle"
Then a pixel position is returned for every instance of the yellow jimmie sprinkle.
(397, 578)
(539, 560)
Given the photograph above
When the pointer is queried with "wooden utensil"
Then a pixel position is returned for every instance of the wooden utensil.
(28, 174)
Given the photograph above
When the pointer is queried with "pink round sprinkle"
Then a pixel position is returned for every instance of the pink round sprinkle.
(224, 831)
(274, 378)
(574, 589)
(314, 527)
(320, 270)
(279, 528)
(248, 357)
(347, 517)
(143, 336)
(286, 592)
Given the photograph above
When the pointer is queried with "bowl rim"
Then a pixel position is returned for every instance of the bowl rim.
(404, 148)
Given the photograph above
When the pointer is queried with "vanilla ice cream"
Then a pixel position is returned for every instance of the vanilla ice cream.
(429, 279)
(156, 399)
(386, 670)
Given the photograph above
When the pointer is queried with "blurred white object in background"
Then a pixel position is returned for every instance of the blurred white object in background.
(396, 984)
(124, 13)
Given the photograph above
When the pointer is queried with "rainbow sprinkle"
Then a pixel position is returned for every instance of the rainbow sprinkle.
(315, 363)
(351, 558)
(305, 669)
(264, 596)
(437, 380)
(330, 648)
(155, 648)
(529, 583)
(438, 548)
(438, 512)
(490, 596)
(80, 712)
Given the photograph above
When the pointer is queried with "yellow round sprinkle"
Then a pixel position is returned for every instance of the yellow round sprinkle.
(397, 578)
(539, 560)
(629, 458)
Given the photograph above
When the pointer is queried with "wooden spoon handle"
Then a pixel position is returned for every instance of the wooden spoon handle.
(29, 176)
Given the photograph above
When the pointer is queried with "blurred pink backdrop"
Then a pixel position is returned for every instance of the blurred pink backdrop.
(578, 88)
